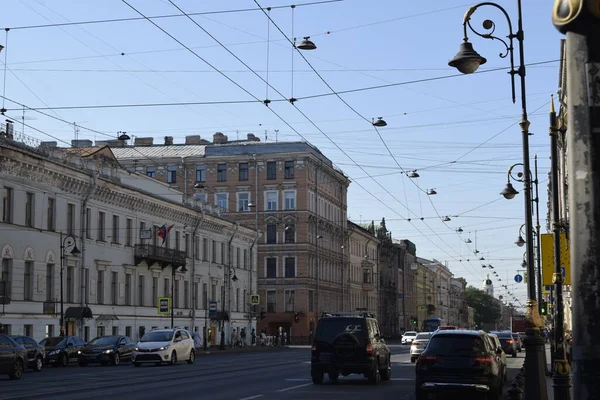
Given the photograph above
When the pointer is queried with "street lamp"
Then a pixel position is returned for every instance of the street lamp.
(467, 60)
(233, 277)
(65, 242)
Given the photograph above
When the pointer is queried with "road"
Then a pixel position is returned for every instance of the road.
(278, 374)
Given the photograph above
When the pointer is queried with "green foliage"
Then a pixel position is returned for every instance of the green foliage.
(487, 310)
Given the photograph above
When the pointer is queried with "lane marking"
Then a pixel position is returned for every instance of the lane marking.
(295, 387)
(252, 397)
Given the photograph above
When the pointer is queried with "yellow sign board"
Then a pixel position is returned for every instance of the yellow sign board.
(548, 259)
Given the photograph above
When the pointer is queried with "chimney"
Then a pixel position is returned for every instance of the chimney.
(81, 143)
(219, 138)
(253, 138)
(114, 143)
(168, 140)
(49, 145)
(192, 139)
(143, 141)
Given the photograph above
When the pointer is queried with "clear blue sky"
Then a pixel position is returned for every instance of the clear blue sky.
(460, 133)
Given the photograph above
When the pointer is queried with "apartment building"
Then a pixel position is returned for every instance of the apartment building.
(289, 192)
(120, 242)
(362, 270)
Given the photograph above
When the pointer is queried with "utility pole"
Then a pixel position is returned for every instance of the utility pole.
(580, 21)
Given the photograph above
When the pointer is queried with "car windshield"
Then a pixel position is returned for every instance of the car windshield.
(410, 334)
(53, 341)
(157, 336)
(104, 341)
(329, 328)
(503, 335)
(421, 336)
(456, 345)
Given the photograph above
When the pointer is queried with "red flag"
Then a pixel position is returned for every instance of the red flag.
(163, 232)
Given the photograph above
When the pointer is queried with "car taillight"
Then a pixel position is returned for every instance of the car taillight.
(415, 343)
(509, 341)
(484, 360)
(369, 349)
(314, 348)
(427, 358)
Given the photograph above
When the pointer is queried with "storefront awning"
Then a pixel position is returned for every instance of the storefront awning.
(77, 313)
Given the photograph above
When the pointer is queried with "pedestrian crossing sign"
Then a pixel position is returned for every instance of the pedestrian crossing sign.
(254, 299)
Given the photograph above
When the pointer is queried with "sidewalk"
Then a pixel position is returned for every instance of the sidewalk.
(236, 350)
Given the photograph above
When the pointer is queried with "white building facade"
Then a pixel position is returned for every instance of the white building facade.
(54, 201)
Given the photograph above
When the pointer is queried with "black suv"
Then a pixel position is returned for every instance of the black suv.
(349, 344)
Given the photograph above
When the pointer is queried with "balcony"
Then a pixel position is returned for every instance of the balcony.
(158, 255)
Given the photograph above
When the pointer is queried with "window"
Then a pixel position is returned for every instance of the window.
(49, 282)
(196, 247)
(127, 289)
(214, 292)
(290, 233)
(214, 251)
(243, 171)
(245, 258)
(290, 300)
(200, 173)
(243, 199)
(177, 240)
(86, 285)
(271, 170)
(186, 294)
(51, 217)
(70, 284)
(205, 297)
(29, 209)
(271, 234)
(114, 288)
(223, 259)
(221, 172)
(70, 219)
(28, 281)
(101, 225)
(154, 291)
(289, 199)
(115, 330)
(201, 197)
(28, 330)
(100, 288)
(171, 173)
(311, 301)
(115, 229)
(271, 267)
(196, 295)
(151, 172)
(176, 285)
(167, 292)
(128, 232)
(237, 257)
(221, 200)
(271, 300)
(204, 249)
(290, 267)
(88, 223)
(271, 203)
(237, 299)
(128, 331)
(366, 275)
(289, 170)
(7, 205)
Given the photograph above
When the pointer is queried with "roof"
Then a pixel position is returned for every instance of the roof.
(458, 332)
(175, 151)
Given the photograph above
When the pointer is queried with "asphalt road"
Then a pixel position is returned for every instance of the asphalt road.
(279, 374)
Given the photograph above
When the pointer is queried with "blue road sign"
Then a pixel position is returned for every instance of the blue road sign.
(563, 271)
(518, 278)
(212, 308)
(548, 288)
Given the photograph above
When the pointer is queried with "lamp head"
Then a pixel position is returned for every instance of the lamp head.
(306, 44)
(467, 60)
(75, 251)
(198, 185)
(509, 192)
(520, 241)
(234, 278)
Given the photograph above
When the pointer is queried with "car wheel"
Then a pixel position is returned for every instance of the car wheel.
(386, 373)
(413, 359)
(420, 394)
(374, 376)
(116, 359)
(192, 357)
(173, 358)
(136, 364)
(82, 364)
(38, 364)
(514, 354)
(17, 370)
(63, 360)
(333, 375)
(493, 395)
(317, 376)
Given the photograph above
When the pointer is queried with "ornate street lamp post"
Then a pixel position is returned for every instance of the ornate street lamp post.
(467, 60)
(65, 242)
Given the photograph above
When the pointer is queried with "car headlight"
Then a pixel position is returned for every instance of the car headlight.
(53, 352)
(108, 351)
(78, 351)
(164, 347)
(136, 348)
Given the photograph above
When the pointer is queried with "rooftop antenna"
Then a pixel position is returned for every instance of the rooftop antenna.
(276, 135)
(266, 136)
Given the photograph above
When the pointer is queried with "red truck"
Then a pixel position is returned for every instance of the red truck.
(518, 324)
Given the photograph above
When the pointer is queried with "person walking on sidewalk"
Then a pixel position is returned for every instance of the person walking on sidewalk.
(243, 337)
(197, 340)
(253, 337)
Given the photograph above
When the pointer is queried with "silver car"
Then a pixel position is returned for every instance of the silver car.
(418, 345)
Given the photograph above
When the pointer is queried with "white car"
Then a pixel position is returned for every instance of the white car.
(418, 345)
(408, 337)
(164, 346)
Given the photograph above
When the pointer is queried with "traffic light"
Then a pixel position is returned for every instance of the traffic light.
(296, 317)
(544, 307)
(263, 315)
(414, 320)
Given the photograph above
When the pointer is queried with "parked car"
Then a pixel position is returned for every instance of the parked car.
(164, 345)
(408, 337)
(106, 350)
(495, 342)
(35, 352)
(507, 342)
(462, 361)
(349, 343)
(13, 357)
(61, 350)
(518, 342)
(418, 345)
(447, 328)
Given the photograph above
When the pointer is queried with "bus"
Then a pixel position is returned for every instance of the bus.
(432, 324)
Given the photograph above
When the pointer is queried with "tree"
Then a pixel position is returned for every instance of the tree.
(487, 310)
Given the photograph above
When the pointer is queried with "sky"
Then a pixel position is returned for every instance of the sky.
(384, 58)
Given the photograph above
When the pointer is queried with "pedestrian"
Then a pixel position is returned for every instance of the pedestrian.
(196, 337)
(253, 337)
(243, 337)
(263, 338)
